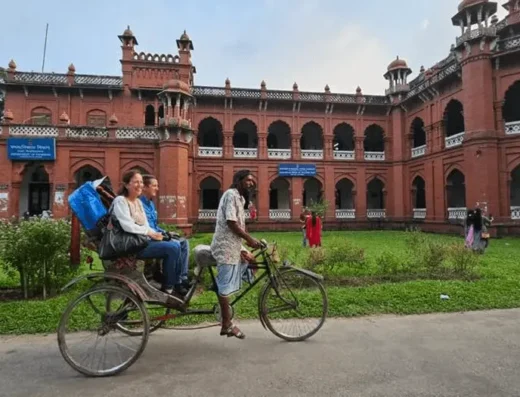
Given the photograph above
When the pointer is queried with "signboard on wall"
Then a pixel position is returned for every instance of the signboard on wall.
(297, 170)
(31, 149)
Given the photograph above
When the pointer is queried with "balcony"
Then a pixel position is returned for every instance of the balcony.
(210, 151)
(418, 151)
(397, 89)
(284, 214)
(346, 214)
(419, 213)
(375, 156)
(457, 213)
(454, 140)
(279, 154)
(515, 213)
(245, 153)
(344, 155)
(207, 214)
(512, 128)
(312, 154)
(376, 214)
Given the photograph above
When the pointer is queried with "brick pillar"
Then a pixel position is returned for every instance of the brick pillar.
(330, 193)
(361, 195)
(327, 149)
(263, 194)
(14, 199)
(60, 206)
(297, 198)
(360, 149)
(262, 146)
(173, 180)
(228, 145)
(295, 147)
(429, 189)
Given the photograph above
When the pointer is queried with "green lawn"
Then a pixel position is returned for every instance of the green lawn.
(497, 284)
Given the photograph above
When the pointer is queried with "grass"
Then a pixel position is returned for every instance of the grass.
(496, 285)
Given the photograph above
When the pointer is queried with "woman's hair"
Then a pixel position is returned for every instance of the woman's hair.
(126, 180)
(313, 218)
(470, 218)
(147, 179)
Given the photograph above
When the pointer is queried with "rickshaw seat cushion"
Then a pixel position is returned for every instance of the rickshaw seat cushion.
(203, 256)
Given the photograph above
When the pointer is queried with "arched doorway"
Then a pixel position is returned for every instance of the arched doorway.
(345, 199)
(376, 199)
(511, 110)
(311, 141)
(149, 116)
(245, 139)
(279, 199)
(344, 142)
(312, 192)
(279, 140)
(418, 137)
(86, 173)
(209, 197)
(374, 143)
(514, 193)
(210, 138)
(35, 190)
(454, 123)
(419, 198)
(456, 195)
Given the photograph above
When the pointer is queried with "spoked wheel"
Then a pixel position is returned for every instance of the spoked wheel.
(293, 306)
(101, 349)
(132, 324)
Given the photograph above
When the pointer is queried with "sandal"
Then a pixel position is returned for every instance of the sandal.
(231, 331)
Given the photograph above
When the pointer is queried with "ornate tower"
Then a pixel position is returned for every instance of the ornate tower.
(396, 146)
(474, 49)
(128, 43)
(176, 98)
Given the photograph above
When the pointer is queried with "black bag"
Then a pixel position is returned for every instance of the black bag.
(117, 243)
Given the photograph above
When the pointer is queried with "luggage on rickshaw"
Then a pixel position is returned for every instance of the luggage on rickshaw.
(90, 203)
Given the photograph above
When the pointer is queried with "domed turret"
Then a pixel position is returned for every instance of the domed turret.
(397, 74)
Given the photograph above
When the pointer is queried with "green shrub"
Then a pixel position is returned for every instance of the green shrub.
(334, 257)
(38, 249)
(390, 264)
(461, 260)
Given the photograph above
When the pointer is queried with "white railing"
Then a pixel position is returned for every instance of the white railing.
(33, 130)
(375, 156)
(454, 140)
(419, 213)
(512, 128)
(283, 154)
(207, 151)
(280, 214)
(312, 154)
(457, 213)
(245, 153)
(418, 151)
(207, 214)
(344, 155)
(86, 132)
(515, 213)
(346, 214)
(138, 133)
(373, 214)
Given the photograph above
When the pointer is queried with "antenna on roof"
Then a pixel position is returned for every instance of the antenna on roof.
(45, 46)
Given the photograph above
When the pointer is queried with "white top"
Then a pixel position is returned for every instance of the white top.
(121, 211)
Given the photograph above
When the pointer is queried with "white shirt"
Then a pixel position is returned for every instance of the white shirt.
(121, 211)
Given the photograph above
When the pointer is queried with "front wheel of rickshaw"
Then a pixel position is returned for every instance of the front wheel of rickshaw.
(293, 305)
(97, 320)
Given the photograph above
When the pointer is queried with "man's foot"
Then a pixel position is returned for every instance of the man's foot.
(186, 283)
(181, 290)
(231, 331)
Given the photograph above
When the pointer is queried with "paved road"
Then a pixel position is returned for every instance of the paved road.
(464, 354)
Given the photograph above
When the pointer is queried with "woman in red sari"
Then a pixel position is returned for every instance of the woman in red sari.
(313, 228)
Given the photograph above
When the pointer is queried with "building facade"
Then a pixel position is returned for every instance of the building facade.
(421, 153)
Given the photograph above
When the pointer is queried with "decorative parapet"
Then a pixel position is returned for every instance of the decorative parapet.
(312, 154)
(418, 151)
(454, 140)
(147, 57)
(427, 83)
(205, 151)
(375, 156)
(344, 155)
(280, 214)
(515, 213)
(457, 213)
(138, 133)
(282, 154)
(512, 127)
(346, 214)
(476, 33)
(245, 153)
(419, 213)
(511, 43)
(86, 132)
(376, 214)
(33, 130)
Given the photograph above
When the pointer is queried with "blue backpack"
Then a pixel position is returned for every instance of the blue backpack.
(85, 202)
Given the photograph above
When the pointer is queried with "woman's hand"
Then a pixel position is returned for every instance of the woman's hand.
(155, 235)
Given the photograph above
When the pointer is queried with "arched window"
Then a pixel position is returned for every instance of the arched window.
(41, 116)
(149, 116)
(418, 133)
(456, 189)
(344, 137)
(374, 139)
(453, 118)
(312, 137)
(279, 135)
(245, 134)
(210, 133)
(96, 118)
(511, 110)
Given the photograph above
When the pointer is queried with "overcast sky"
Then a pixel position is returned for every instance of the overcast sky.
(342, 43)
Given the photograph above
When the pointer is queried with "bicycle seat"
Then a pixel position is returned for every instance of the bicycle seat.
(203, 256)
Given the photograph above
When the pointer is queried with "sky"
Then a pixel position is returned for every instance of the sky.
(344, 44)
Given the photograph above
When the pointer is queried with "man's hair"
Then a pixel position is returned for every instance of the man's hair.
(147, 179)
(237, 179)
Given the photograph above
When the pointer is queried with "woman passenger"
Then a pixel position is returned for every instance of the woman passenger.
(128, 210)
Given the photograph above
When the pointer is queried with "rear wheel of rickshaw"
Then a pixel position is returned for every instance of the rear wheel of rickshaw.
(97, 319)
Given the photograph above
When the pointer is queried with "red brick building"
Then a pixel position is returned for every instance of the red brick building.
(423, 152)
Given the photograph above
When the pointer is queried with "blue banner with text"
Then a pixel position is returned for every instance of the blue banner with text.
(297, 170)
(31, 149)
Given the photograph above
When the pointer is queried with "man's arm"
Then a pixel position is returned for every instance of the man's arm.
(233, 226)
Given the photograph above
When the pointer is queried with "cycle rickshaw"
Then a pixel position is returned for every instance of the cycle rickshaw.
(292, 304)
